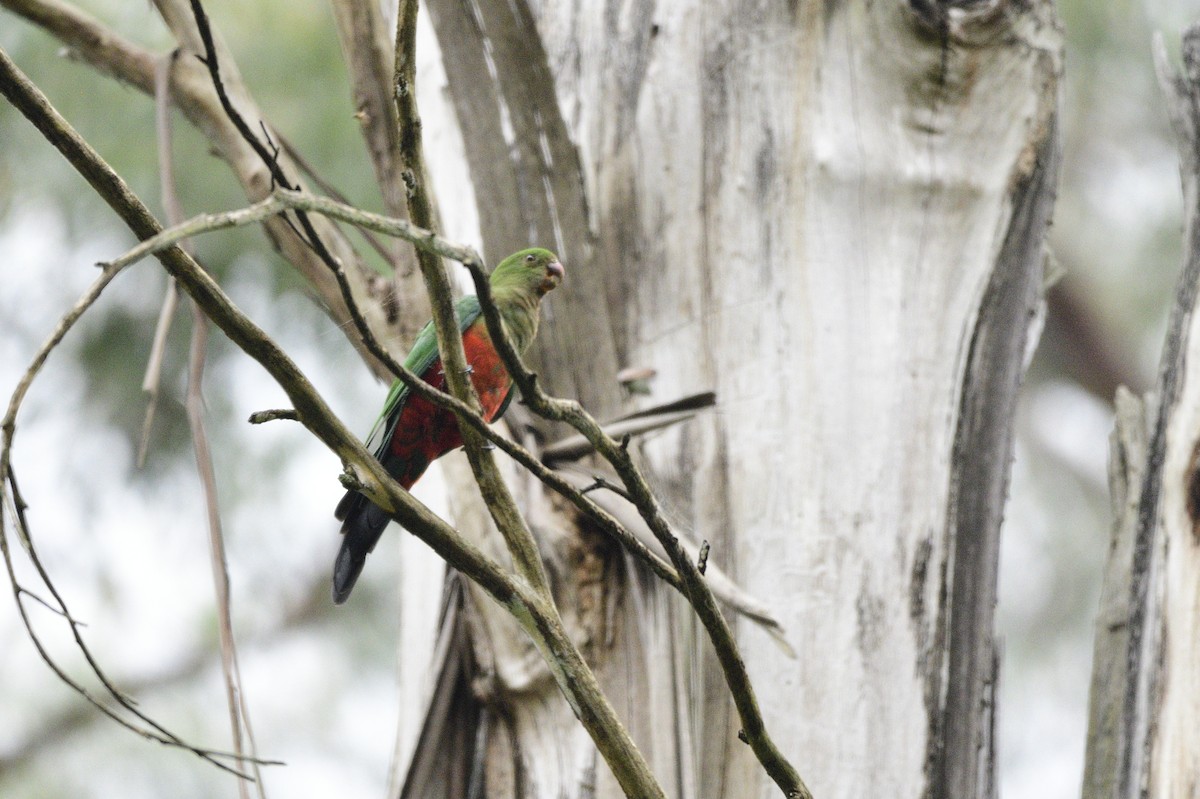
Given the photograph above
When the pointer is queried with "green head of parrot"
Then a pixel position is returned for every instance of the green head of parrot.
(530, 272)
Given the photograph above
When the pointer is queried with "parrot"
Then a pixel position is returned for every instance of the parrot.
(412, 432)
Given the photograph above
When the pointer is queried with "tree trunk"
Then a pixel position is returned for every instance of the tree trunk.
(1142, 731)
(831, 214)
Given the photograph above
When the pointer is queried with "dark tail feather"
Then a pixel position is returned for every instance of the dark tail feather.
(363, 525)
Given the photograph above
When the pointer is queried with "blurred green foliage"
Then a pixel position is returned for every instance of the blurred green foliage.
(289, 56)
(130, 543)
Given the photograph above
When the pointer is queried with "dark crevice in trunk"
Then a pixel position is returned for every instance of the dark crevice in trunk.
(962, 748)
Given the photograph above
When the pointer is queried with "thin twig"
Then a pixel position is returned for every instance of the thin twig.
(536, 611)
(498, 498)
(48, 606)
(197, 355)
(57, 725)
(529, 608)
(324, 185)
(600, 483)
(170, 198)
(27, 99)
(154, 364)
(261, 417)
(216, 539)
(283, 200)
(695, 589)
(10, 498)
(235, 693)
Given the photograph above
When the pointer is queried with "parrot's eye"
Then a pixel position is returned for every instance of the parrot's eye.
(529, 258)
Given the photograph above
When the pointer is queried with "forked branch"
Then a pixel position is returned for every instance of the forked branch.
(695, 589)
(684, 574)
(535, 614)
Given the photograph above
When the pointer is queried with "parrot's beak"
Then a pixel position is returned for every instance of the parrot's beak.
(554, 275)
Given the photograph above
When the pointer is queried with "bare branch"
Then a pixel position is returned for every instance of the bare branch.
(535, 614)
(230, 670)
(88, 39)
(216, 540)
(499, 500)
(192, 91)
(368, 56)
(153, 377)
(332, 191)
(261, 417)
(695, 588)
(10, 497)
(166, 171)
(53, 728)
(29, 101)
(598, 483)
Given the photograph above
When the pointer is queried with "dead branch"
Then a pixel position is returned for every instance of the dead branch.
(363, 35)
(563, 411)
(24, 96)
(363, 471)
(695, 588)
(192, 91)
(498, 498)
(283, 200)
(230, 670)
(166, 316)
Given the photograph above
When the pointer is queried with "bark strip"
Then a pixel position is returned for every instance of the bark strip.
(965, 751)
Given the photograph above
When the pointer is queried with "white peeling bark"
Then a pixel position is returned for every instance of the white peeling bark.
(832, 214)
(1174, 743)
(1143, 738)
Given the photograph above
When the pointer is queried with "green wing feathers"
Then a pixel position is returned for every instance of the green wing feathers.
(518, 284)
(420, 359)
